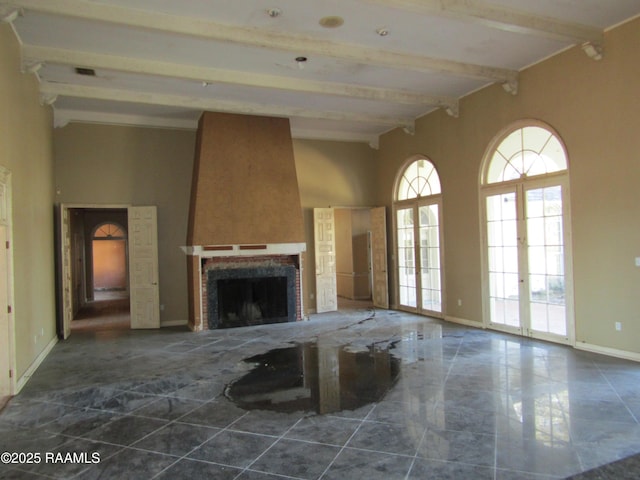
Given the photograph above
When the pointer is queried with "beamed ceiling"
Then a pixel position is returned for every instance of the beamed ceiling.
(338, 69)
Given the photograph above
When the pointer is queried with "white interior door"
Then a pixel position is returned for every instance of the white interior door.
(143, 267)
(380, 278)
(325, 253)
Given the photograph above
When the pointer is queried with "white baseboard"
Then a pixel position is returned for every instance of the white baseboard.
(611, 352)
(22, 381)
(463, 321)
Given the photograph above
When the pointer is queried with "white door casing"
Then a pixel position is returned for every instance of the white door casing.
(380, 282)
(7, 336)
(65, 265)
(325, 253)
(143, 267)
(5, 339)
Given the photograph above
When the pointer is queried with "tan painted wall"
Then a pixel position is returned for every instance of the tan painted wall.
(595, 107)
(26, 150)
(352, 267)
(338, 174)
(99, 164)
(344, 240)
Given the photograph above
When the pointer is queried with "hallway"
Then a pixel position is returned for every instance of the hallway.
(108, 311)
(467, 403)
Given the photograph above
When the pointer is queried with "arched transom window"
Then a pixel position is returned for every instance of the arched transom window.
(108, 231)
(526, 152)
(419, 179)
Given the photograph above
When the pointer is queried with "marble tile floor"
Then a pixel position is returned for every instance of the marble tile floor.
(467, 403)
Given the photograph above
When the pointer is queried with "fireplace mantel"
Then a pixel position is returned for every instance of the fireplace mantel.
(208, 251)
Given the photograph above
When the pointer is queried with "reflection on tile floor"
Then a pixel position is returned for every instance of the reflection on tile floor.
(467, 404)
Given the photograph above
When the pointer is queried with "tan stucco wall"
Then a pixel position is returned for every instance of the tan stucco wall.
(115, 165)
(26, 151)
(595, 108)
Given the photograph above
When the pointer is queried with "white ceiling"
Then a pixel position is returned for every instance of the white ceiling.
(162, 62)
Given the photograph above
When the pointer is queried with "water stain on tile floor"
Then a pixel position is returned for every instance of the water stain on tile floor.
(313, 377)
(462, 403)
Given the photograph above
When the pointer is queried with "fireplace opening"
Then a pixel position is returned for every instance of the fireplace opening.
(252, 301)
(240, 297)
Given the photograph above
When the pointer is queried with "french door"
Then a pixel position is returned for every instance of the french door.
(419, 256)
(528, 287)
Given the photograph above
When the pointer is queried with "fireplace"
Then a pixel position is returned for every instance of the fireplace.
(256, 294)
(245, 238)
(239, 287)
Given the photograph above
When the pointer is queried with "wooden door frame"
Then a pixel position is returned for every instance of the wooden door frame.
(64, 323)
(371, 283)
(9, 381)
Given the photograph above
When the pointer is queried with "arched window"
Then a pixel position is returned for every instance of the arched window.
(527, 263)
(417, 211)
(108, 231)
(419, 179)
(526, 152)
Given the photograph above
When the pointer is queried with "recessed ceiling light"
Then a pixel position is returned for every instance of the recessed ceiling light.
(382, 31)
(331, 21)
(274, 12)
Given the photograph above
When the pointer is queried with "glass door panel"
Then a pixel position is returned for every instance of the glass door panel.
(546, 281)
(406, 258)
(429, 232)
(502, 241)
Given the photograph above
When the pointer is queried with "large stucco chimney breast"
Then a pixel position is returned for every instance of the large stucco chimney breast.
(245, 205)
(245, 188)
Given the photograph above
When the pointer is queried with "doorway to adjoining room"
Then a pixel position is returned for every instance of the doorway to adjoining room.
(99, 249)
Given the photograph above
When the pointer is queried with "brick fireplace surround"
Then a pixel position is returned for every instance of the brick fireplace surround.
(229, 258)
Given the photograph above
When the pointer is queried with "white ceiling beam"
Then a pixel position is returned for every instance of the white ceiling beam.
(254, 37)
(317, 134)
(500, 17)
(36, 55)
(199, 103)
(64, 116)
